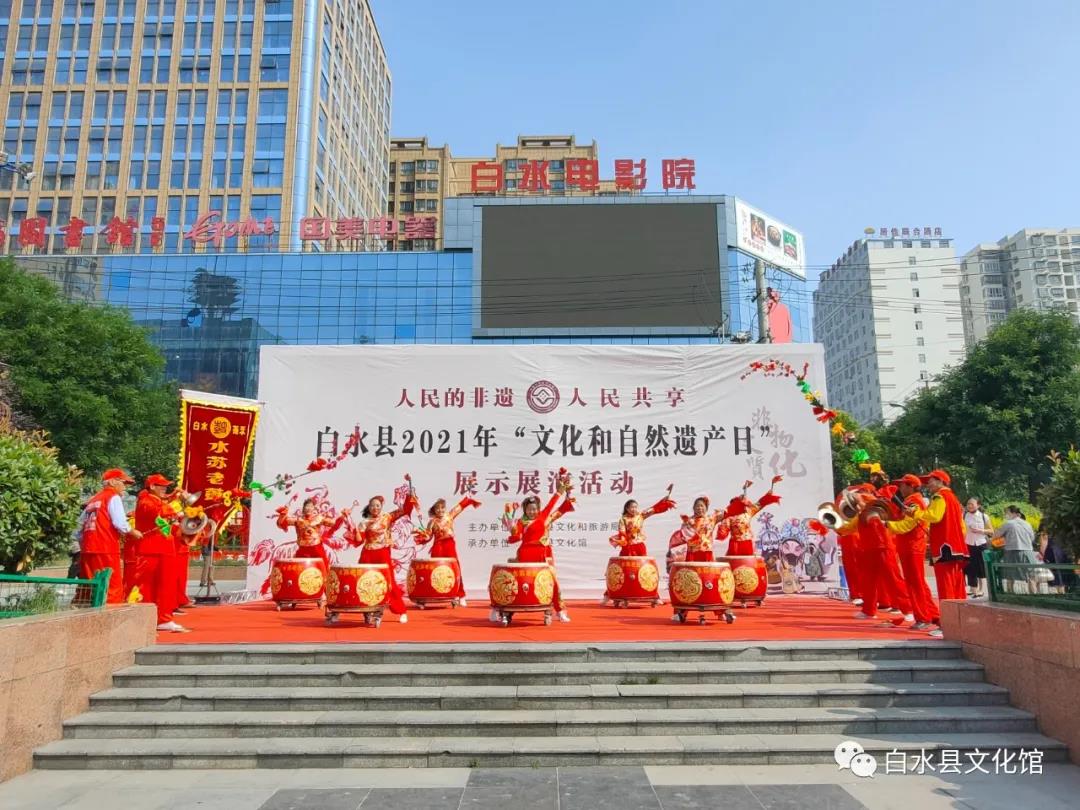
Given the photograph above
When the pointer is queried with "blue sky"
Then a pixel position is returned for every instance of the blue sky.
(831, 116)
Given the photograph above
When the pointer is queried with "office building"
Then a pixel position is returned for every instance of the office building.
(637, 270)
(422, 174)
(142, 117)
(1035, 268)
(888, 313)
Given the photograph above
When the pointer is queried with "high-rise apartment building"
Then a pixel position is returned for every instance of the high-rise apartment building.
(1036, 268)
(142, 117)
(421, 175)
(888, 313)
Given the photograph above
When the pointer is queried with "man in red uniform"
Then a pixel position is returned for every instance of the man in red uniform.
(895, 593)
(948, 548)
(155, 575)
(911, 546)
(103, 524)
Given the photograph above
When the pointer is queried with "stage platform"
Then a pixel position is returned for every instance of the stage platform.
(781, 618)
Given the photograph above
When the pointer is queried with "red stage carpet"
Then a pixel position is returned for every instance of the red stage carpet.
(782, 618)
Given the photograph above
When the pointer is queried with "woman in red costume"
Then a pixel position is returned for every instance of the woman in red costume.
(440, 533)
(698, 529)
(376, 541)
(532, 532)
(736, 527)
(631, 537)
(312, 527)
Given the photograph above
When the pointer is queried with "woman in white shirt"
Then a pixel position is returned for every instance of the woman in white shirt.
(978, 529)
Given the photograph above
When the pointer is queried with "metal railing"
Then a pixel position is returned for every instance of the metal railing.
(33, 596)
(1044, 585)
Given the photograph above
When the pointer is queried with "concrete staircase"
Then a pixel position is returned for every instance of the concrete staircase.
(417, 705)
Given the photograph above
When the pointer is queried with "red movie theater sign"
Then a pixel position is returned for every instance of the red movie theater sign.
(488, 177)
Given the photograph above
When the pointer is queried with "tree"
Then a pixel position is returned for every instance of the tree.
(1001, 412)
(39, 501)
(846, 470)
(216, 296)
(1060, 500)
(89, 376)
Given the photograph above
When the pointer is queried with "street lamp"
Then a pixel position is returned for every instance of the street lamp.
(24, 170)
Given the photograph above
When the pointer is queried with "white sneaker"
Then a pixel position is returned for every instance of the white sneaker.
(936, 634)
(675, 617)
(404, 618)
(493, 616)
(861, 615)
(563, 617)
(909, 617)
(172, 627)
(857, 602)
(462, 603)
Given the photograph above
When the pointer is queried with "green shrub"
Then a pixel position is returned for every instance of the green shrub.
(39, 502)
(1060, 500)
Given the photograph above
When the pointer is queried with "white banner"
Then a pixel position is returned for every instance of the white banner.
(499, 421)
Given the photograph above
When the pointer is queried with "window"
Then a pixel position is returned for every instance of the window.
(889, 243)
(920, 341)
(905, 243)
(918, 326)
(914, 293)
(922, 358)
(911, 260)
(277, 34)
(924, 243)
(274, 67)
(273, 103)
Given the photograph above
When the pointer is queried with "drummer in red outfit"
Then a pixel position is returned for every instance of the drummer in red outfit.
(532, 532)
(440, 533)
(154, 563)
(736, 527)
(911, 547)
(377, 543)
(631, 537)
(698, 530)
(312, 527)
(103, 524)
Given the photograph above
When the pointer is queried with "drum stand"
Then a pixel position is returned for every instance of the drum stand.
(372, 615)
(721, 611)
(506, 614)
(208, 590)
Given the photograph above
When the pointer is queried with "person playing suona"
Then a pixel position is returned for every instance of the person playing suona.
(532, 531)
(893, 591)
(736, 526)
(631, 537)
(948, 547)
(376, 540)
(910, 537)
(102, 525)
(312, 528)
(697, 532)
(181, 560)
(155, 559)
(440, 533)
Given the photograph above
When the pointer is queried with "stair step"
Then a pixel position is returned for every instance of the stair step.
(645, 672)
(540, 723)
(605, 696)
(306, 752)
(355, 653)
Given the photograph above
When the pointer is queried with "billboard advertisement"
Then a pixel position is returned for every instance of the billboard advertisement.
(767, 238)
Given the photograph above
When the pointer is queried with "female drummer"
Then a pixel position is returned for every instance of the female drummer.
(698, 529)
(440, 533)
(736, 527)
(532, 531)
(312, 527)
(376, 541)
(631, 537)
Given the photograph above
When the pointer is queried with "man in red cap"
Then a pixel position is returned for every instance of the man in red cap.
(948, 548)
(910, 536)
(155, 575)
(103, 523)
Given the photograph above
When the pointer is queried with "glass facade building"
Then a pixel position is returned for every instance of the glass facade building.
(130, 111)
(210, 313)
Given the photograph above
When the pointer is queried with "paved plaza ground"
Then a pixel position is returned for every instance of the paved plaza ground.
(775, 787)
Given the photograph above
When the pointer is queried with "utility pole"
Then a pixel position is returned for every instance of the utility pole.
(764, 336)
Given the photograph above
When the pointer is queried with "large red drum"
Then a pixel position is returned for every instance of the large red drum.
(521, 586)
(363, 587)
(433, 580)
(632, 579)
(297, 580)
(701, 585)
(751, 578)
